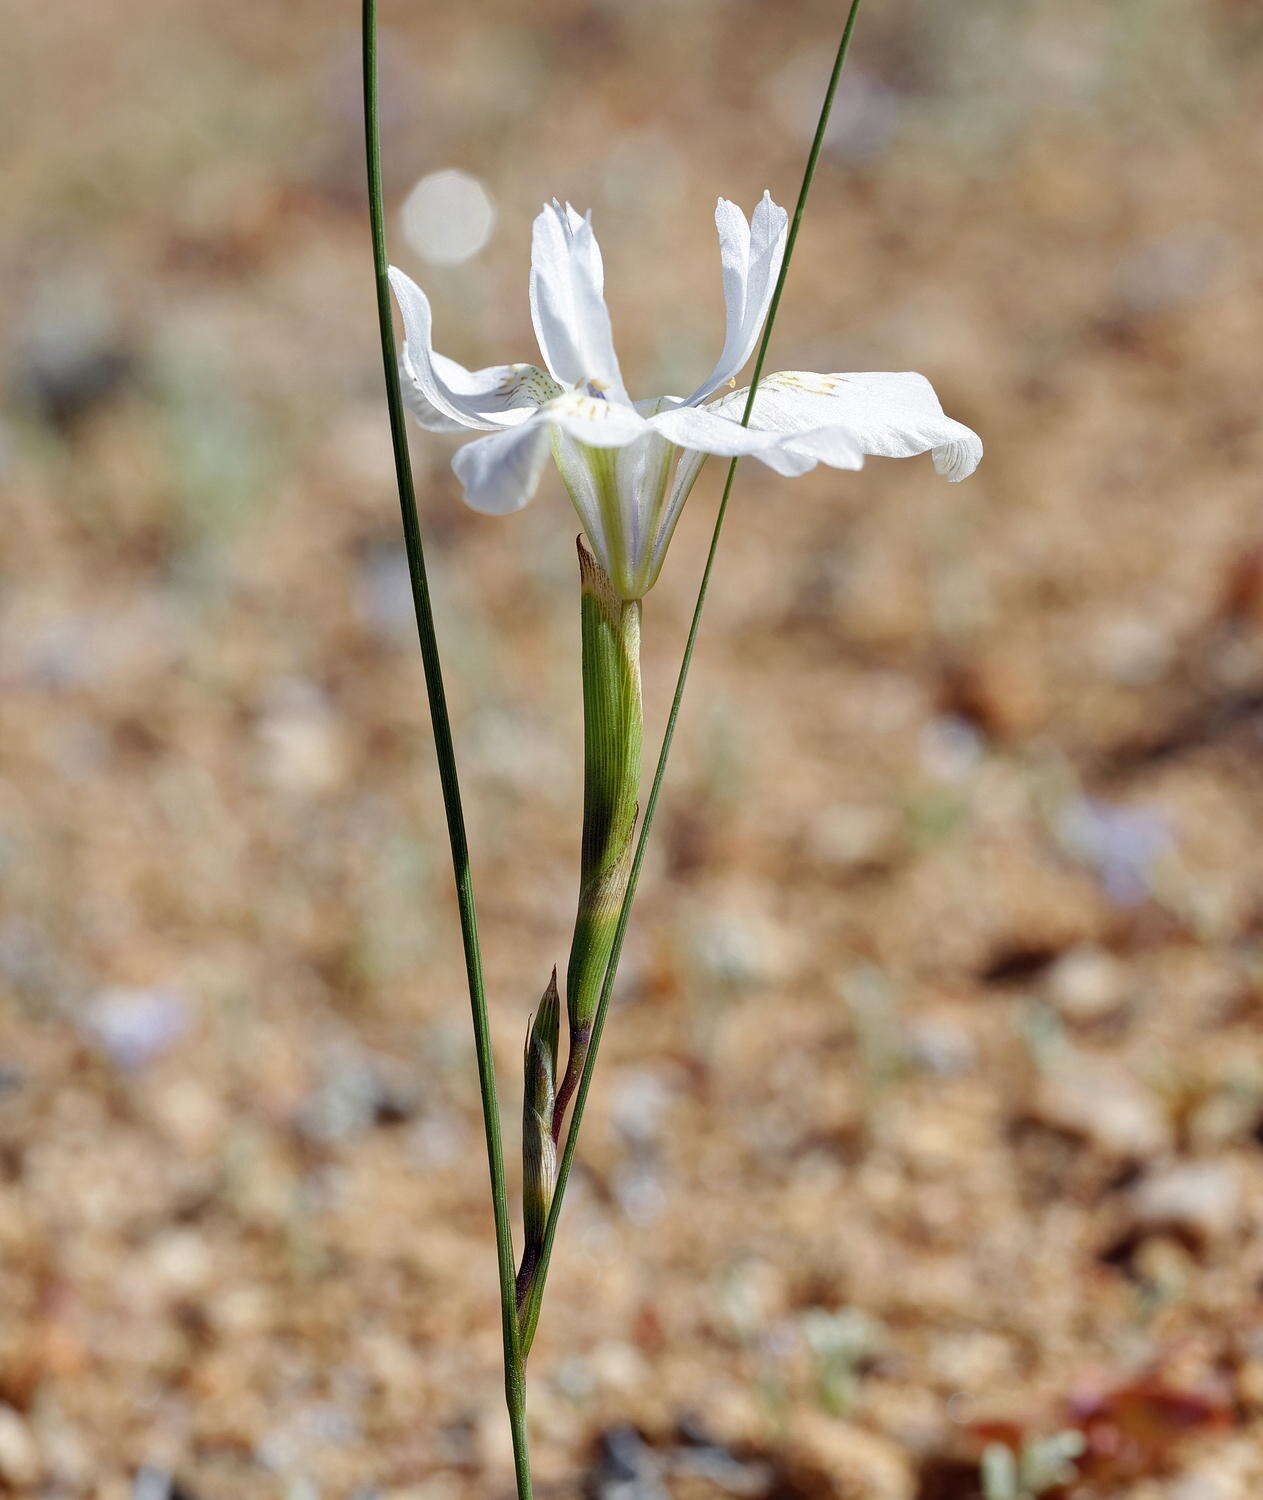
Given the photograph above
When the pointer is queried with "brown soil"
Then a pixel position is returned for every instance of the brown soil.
(931, 1113)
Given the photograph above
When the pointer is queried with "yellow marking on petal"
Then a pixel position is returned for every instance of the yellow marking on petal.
(806, 381)
(583, 406)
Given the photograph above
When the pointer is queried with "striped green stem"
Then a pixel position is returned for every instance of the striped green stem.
(613, 736)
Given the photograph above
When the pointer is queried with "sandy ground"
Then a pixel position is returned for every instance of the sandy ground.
(932, 1109)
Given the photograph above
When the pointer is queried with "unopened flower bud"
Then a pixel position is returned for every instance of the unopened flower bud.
(539, 1151)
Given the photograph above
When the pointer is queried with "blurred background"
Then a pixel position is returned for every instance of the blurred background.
(931, 1112)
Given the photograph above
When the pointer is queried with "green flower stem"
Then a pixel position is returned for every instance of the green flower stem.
(530, 1314)
(613, 737)
(514, 1375)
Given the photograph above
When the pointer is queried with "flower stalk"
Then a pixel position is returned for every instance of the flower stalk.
(613, 735)
(514, 1374)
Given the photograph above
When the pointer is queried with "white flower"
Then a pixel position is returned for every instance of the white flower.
(630, 466)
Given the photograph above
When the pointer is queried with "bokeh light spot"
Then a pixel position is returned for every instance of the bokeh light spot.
(448, 217)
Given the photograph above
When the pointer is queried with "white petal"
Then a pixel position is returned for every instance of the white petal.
(443, 395)
(710, 431)
(682, 482)
(707, 429)
(600, 424)
(594, 265)
(791, 461)
(751, 256)
(698, 432)
(577, 473)
(884, 413)
(504, 393)
(572, 323)
(616, 493)
(500, 473)
(835, 446)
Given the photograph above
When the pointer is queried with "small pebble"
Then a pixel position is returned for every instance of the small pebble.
(19, 1459)
(300, 741)
(941, 1048)
(133, 1027)
(855, 836)
(862, 1462)
(151, 1484)
(1104, 1104)
(1087, 984)
(639, 1098)
(1198, 1199)
(354, 1094)
(736, 951)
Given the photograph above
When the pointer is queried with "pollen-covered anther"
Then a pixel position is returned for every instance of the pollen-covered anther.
(588, 407)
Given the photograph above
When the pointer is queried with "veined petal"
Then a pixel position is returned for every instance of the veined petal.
(500, 473)
(606, 454)
(572, 323)
(616, 467)
(751, 256)
(884, 413)
(442, 394)
(507, 392)
(587, 487)
(607, 488)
